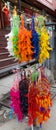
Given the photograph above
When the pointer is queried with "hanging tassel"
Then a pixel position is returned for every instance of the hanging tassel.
(40, 23)
(24, 43)
(9, 43)
(13, 37)
(39, 101)
(32, 105)
(15, 103)
(15, 29)
(44, 46)
(15, 98)
(43, 100)
(35, 41)
(23, 87)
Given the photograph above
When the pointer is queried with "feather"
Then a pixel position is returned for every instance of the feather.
(35, 41)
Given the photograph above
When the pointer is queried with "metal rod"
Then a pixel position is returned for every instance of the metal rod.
(32, 126)
(19, 5)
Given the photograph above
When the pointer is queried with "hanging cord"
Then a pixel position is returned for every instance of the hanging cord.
(33, 23)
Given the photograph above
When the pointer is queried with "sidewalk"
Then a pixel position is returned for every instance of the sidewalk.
(5, 84)
(15, 125)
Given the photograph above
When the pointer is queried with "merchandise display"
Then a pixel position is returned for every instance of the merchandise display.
(32, 97)
(26, 45)
(30, 92)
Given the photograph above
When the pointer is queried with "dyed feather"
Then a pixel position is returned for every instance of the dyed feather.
(44, 45)
(24, 43)
(15, 103)
(35, 41)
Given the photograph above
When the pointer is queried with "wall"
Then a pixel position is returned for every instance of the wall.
(0, 9)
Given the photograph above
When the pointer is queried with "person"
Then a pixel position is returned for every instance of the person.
(6, 16)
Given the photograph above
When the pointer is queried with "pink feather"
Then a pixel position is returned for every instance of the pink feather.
(15, 103)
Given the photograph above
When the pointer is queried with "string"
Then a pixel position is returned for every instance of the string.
(33, 23)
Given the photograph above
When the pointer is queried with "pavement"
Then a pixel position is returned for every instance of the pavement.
(5, 84)
(13, 124)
